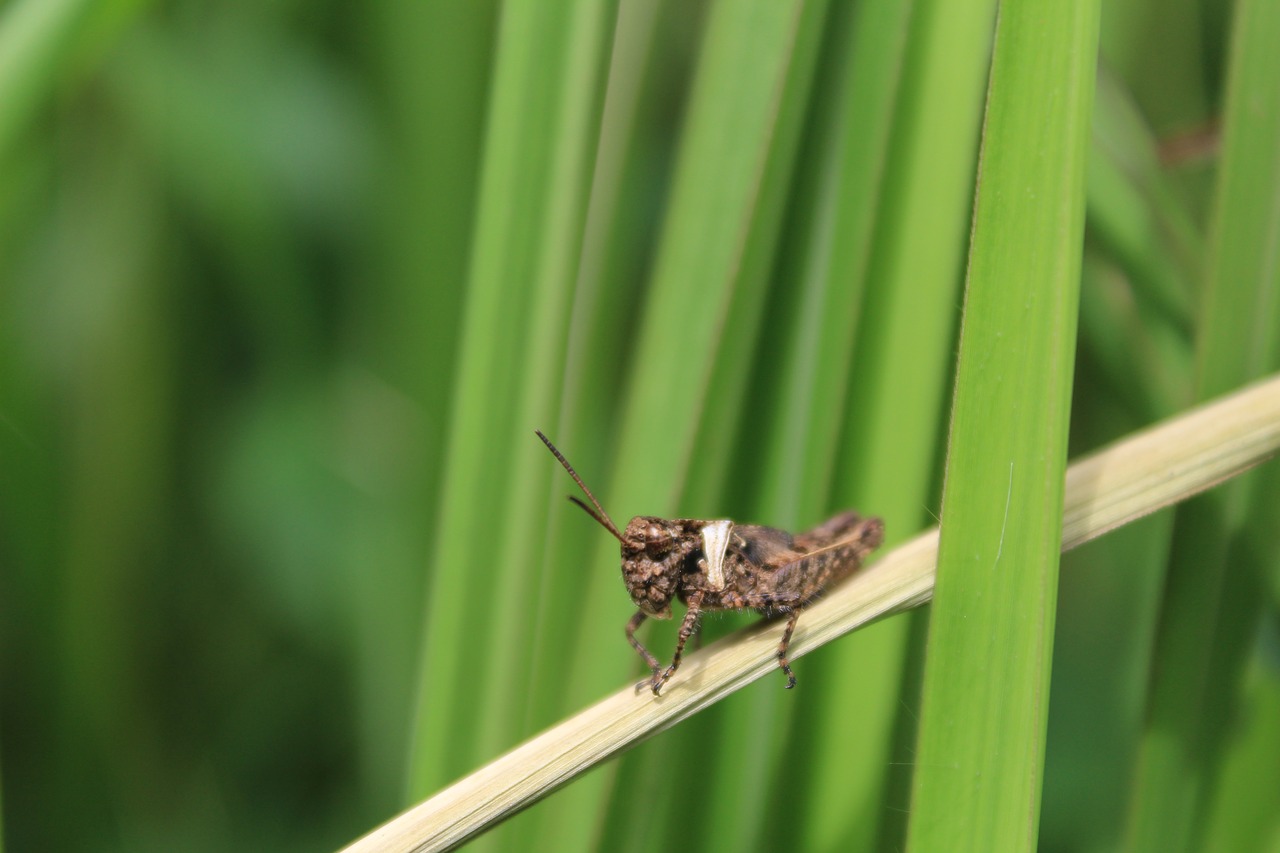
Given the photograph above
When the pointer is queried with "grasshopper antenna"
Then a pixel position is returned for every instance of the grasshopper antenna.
(598, 513)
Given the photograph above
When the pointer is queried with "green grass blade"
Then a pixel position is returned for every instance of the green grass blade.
(1134, 213)
(1219, 562)
(980, 751)
(742, 75)
(546, 95)
(738, 787)
(1144, 256)
(765, 366)
(849, 784)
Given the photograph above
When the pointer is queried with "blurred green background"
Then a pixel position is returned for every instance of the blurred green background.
(286, 287)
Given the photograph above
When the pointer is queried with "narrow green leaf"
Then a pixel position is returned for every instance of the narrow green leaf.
(980, 751)
(738, 785)
(739, 814)
(731, 124)
(547, 91)
(1224, 545)
(917, 94)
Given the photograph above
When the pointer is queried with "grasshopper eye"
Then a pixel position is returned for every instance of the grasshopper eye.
(656, 541)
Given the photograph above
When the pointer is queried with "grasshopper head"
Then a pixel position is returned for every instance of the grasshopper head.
(655, 552)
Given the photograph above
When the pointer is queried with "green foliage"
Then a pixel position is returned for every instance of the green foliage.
(1225, 551)
(980, 751)
(288, 287)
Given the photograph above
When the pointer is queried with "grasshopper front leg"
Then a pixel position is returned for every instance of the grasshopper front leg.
(687, 628)
(654, 666)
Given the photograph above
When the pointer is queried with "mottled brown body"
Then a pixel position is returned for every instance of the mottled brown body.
(717, 565)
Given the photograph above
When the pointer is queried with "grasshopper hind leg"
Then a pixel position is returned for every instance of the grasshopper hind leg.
(783, 647)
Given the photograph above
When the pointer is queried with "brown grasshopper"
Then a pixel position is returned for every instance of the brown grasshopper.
(719, 565)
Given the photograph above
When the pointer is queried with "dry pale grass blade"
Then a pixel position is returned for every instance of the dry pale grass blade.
(1130, 479)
